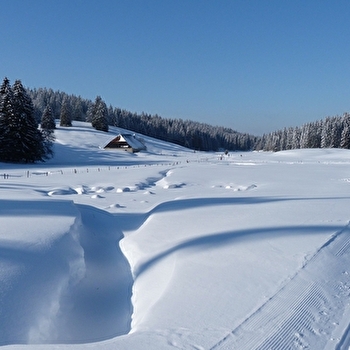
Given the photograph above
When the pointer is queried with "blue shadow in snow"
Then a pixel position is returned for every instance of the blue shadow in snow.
(135, 220)
(9, 207)
(219, 239)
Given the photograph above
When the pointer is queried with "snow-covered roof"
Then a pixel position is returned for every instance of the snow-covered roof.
(125, 141)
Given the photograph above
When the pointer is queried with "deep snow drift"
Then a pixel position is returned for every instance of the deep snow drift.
(174, 249)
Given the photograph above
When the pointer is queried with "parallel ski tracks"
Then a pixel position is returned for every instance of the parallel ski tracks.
(303, 309)
(343, 248)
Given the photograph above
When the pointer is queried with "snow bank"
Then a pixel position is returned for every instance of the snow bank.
(174, 249)
(40, 258)
(63, 276)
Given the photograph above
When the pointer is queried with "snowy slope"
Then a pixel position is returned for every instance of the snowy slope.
(172, 249)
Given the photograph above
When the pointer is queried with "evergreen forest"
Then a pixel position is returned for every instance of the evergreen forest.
(27, 123)
(191, 134)
(331, 132)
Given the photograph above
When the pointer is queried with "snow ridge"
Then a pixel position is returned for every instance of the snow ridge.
(245, 251)
(300, 312)
(82, 280)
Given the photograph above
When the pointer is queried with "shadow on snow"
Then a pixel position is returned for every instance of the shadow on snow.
(217, 240)
(133, 221)
(75, 290)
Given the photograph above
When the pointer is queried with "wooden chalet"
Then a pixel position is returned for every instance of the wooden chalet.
(126, 142)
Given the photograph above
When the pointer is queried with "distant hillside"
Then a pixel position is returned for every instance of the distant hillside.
(82, 144)
(194, 135)
(331, 132)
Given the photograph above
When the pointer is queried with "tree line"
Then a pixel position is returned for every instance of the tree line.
(194, 135)
(22, 111)
(330, 132)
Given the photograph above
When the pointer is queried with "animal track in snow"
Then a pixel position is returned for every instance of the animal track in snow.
(62, 191)
(166, 184)
(80, 190)
(94, 196)
(116, 205)
(123, 189)
(236, 188)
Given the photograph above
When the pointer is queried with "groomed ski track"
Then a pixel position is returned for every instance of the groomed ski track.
(304, 309)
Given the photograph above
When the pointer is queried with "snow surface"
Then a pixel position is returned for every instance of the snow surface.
(174, 249)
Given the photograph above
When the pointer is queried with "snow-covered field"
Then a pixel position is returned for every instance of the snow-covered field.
(174, 249)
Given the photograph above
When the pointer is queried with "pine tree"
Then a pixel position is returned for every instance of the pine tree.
(90, 113)
(20, 139)
(6, 118)
(47, 119)
(65, 115)
(78, 113)
(48, 127)
(345, 135)
(29, 140)
(326, 133)
(336, 132)
(296, 138)
(100, 115)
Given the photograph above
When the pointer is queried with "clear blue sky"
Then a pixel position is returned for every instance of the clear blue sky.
(252, 65)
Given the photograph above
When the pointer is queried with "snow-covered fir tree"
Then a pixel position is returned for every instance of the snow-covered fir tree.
(20, 139)
(48, 127)
(336, 132)
(30, 145)
(326, 133)
(77, 110)
(48, 119)
(345, 135)
(7, 113)
(65, 114)
(99, 118)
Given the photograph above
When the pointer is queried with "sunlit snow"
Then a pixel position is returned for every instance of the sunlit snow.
(174, 249)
